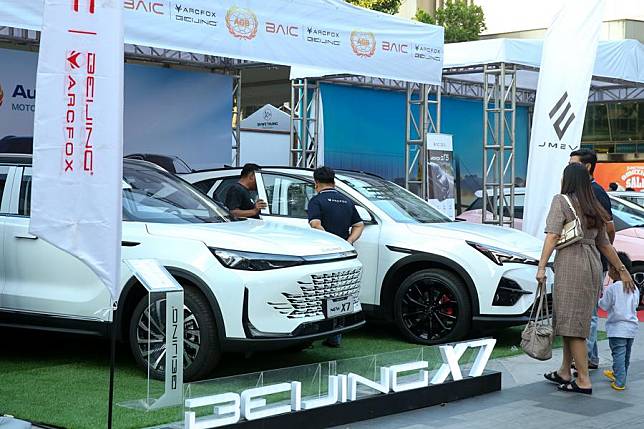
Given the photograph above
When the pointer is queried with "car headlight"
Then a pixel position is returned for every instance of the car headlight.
(252, 261)
(501, 256)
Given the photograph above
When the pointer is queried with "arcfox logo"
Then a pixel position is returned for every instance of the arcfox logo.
(561, 131)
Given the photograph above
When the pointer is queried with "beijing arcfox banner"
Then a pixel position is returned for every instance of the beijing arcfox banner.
(78, 134)
(328, 34)
(567, 62)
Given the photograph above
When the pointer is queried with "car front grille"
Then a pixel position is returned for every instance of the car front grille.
(316, 289)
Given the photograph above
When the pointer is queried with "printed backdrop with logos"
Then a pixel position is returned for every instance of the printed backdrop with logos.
(156, 102)
(329, 34)
(625, 174)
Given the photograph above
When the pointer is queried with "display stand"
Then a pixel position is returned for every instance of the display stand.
(158, 281)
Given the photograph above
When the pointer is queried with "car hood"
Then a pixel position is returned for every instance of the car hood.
(504, 238)
(256, 236)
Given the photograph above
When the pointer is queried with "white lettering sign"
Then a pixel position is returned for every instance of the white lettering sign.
(229, 408)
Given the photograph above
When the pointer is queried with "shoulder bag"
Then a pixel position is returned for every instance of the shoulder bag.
(572, 231)
(536, 338)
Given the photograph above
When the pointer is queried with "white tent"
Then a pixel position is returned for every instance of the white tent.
(617, 62)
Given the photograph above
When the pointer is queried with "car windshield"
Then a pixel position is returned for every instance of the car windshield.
(152, 195)
(401, 205)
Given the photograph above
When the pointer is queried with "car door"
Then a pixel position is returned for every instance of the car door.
(38, 276)
(6, 176)
(288, 196)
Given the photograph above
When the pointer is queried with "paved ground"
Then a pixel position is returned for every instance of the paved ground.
(527, 401)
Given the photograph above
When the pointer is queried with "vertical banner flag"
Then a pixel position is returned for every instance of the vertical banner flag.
(78, 134)
(567, 61)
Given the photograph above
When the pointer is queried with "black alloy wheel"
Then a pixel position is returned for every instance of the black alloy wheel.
(431, 307)
(200, 344)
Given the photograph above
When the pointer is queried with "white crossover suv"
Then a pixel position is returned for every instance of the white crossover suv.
(248, 285)
(436, 279)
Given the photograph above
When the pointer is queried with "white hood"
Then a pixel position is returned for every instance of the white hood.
(256, 236)
(503, 238)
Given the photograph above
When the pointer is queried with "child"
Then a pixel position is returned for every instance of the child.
(622, 323)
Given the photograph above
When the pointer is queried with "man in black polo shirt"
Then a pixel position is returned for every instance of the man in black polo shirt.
(238, 198)
(588, 158)
(332, 212)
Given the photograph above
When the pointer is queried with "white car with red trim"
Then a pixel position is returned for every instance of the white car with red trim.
(436, 279)
(248, 285)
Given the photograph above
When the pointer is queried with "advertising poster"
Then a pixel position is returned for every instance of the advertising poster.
(155, 122)
(626, 175)
(440, 173)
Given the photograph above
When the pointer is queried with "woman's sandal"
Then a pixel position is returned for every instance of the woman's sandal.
(554, 377)
(573, 388)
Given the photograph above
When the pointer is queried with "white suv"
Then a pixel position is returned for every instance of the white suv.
(248, 285)
(436, 279)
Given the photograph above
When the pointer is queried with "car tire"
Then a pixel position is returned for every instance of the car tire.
(432, 306)
(201, 342)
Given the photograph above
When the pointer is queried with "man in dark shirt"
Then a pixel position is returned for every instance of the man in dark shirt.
(588, 158)
(331, 211)
(239, 200)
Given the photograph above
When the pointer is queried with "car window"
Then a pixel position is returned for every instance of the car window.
(4, 172)
(223, 187)
(288, 196)
(24, 199)
(205, 185)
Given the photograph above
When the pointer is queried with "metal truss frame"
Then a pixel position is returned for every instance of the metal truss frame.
(499, 141)
(305, 123)
(419, 121)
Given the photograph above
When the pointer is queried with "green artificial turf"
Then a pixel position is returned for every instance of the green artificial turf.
(62, 379)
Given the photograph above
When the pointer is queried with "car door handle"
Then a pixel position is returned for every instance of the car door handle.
(26, 236)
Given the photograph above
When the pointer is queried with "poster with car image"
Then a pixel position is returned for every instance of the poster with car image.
(440, 173)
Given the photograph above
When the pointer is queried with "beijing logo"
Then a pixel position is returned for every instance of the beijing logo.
(242, 23)
(363, 43)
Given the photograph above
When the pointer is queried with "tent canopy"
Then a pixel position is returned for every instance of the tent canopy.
(309, 33)
(617, 62)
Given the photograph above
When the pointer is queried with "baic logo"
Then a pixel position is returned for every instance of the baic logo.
(242, 23)
(363, 43)
(562, 115)
(153, 7)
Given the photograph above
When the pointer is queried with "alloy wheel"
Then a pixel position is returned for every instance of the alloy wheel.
(429, 309)
(150, 335)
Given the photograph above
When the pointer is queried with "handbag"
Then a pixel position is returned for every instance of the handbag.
(572, 231)
(537, 337)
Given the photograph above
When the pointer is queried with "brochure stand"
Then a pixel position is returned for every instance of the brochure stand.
(161, 287)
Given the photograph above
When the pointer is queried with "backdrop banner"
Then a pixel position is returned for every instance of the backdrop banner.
(329, 34)
(78, 134)
(625, 174)
(569, 52)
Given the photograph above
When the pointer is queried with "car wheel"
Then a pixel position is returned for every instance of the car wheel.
(431, 306)
(201, 351)
(638, 277)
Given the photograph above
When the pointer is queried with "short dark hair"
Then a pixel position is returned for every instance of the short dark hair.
(629, 189)
(324, 175)
(248, 169)
(613, 186)
(625, 259)
(586, 156)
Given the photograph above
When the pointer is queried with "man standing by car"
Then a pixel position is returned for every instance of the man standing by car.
(332, 212)
(588, 158)
(238, 198)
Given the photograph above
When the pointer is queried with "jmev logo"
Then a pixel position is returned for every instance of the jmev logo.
(561, 131)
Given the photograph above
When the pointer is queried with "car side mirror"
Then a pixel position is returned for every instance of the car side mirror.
(364, 214)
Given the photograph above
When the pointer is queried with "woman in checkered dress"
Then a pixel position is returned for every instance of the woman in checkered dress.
(578, 271)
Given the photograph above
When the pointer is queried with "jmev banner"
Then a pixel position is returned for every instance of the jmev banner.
(567, 62)
(78, 134)
(329, 34)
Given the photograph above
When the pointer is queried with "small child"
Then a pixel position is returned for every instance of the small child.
(622, 323)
